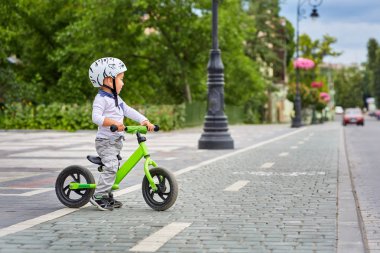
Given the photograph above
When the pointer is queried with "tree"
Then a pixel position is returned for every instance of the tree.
(28, 34)
(369, 85)
(376, 79)
(348, 83)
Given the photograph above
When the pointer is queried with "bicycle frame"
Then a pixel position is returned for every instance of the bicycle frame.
(127, 166)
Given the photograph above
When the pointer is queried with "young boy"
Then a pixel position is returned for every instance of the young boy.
(109, 109)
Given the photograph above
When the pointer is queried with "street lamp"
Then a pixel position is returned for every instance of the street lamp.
(215, 132)
(297, 121)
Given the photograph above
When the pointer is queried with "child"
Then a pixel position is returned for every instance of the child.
(109, 109)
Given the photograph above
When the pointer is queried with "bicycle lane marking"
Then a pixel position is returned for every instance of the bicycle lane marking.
(64, 211)
(267, 165)
(155, 241)
(236, 186)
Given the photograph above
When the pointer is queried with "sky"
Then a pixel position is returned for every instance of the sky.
(352, 22)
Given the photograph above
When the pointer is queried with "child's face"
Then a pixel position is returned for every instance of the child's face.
(119, 82)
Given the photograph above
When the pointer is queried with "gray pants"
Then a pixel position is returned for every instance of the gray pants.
(108, 151)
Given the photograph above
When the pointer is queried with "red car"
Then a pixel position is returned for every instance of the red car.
(353, 116)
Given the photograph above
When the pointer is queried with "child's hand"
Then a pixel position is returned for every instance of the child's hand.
(120, 127)
(149, 125)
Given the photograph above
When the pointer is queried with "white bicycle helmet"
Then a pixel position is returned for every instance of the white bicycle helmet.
(105, 67)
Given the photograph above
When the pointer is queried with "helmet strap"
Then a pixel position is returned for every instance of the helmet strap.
(114, 92)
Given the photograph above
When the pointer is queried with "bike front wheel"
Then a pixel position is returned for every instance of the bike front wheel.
(74, 198)
(167, 189)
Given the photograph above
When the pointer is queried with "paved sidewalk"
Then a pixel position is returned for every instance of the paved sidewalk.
(277, 192)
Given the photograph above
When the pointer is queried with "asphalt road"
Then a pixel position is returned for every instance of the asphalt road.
(364, 159)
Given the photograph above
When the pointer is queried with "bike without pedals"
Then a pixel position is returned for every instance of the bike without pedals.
(75, 185)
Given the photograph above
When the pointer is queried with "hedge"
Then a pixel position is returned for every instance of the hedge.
(72, 117)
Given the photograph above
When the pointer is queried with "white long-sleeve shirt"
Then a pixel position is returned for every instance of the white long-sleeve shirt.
(104, 107)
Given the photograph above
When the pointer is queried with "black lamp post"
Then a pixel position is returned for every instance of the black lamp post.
(215, 132)
(297, 120)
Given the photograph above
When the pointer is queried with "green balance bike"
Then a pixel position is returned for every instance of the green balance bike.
(75, 185)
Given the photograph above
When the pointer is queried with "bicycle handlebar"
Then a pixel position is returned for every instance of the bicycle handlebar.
(135, 129)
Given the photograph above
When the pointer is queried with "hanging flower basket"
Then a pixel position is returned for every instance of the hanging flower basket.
(316, 84)
(303, 63)
(325, 96)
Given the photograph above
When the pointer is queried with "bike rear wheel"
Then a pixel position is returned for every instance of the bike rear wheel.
(167, 189)
(74, 198)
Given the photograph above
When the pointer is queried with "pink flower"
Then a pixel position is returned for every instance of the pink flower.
(325, 96)
(303, 63)
(316, 84)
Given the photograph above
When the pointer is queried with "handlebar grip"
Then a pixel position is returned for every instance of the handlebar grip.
(113, 128)
(156, 128)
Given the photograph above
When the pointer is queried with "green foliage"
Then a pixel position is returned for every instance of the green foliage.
(56, 116)
(72, 117)
(165, 45)
(168, 117)
(348, 83)
(317, 50)
(306, 96)
(372, 74)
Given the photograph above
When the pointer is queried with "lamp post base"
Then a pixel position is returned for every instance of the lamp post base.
(216, 140)
(296, 124)
(215, 134)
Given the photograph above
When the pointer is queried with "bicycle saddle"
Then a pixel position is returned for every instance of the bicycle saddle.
(97, 160)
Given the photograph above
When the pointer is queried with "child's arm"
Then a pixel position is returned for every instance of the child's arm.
(110, 122)
(131, 113)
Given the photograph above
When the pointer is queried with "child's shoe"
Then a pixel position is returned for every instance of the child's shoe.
(115, 203)
(102, 203)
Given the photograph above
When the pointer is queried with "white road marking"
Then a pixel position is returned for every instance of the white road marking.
(56, 214)
(32, 222)
(284, 154)
(306, 139)
(266, 165)
(284, 174)
(300, 142)
(236, 186)
(127, 190)
(169, 158)
(155, 241)
(293, 147)
(25, 194)
(190, 168)
(8, 176)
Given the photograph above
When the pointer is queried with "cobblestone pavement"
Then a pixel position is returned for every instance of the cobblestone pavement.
(277, 196)
(30, 162)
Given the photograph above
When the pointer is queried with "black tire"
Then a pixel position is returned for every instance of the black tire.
(74, 198)
(167, 192)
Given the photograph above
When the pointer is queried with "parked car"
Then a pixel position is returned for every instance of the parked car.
(338, 110)
(353, 116)
(377, 114)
